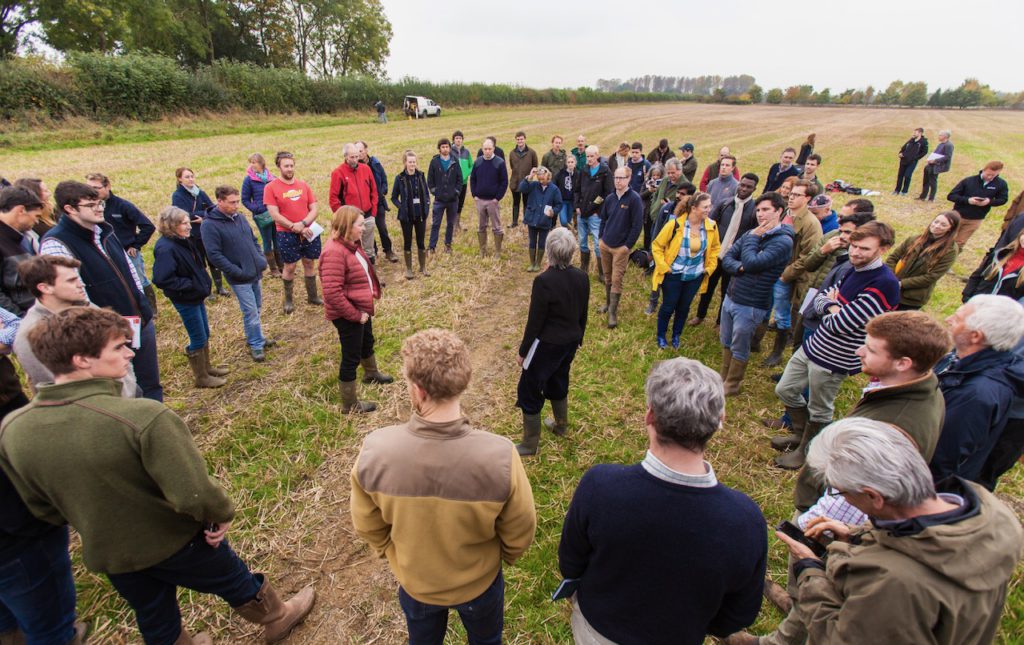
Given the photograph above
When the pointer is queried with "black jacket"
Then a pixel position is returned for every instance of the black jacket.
(723, 213)
(590, 188)
(179, 270)
(404, 191)
(14, 296)
(444, 185)
(130, 224)
(913, 151)
(558, 308)
(972, 186)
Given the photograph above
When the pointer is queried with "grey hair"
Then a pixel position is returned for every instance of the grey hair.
(346, 148)
(674, 163)
(687, 400)
(999, 318)
(592, 149)
(543, 170)
(560, 247)
(945, 133)
(168, 219)
(857, 453)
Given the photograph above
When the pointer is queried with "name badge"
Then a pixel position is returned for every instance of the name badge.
(135, 322)
(415, 200)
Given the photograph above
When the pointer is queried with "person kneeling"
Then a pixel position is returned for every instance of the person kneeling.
(126, 474)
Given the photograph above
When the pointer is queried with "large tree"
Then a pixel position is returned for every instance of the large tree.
(349, 37)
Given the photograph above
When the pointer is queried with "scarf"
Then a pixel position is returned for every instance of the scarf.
(734, 225)
(194, 190)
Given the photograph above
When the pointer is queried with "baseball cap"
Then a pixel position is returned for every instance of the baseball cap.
(687, 147)
(821, 201)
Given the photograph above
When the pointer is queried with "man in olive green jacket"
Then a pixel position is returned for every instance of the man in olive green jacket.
(126, 474)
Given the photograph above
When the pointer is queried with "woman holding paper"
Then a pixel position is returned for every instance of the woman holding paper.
(554, 331)
(920, 261)
(350, 289)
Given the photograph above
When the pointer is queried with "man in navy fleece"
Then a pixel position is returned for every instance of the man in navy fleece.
(663, 553)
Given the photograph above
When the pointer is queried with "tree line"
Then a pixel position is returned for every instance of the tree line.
(320, 38)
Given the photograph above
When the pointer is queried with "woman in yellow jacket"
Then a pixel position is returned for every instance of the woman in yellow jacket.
(685, 253)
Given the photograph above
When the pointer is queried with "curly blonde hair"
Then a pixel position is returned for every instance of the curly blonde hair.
(438, 361)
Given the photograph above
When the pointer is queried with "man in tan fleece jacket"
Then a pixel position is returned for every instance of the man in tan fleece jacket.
(445, 503)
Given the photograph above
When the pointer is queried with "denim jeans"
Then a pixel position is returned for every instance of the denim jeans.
(446, 210)
(197, 325)
(679, 295)
(820, 384)
(483, 617)
(268, 234)
(904, 175)
(140, 268)
(738, 325)
(147, 368)
(781, 292)
(152, 595)
(37, 592)
(565, 214)
(591, 225)
(250, 300)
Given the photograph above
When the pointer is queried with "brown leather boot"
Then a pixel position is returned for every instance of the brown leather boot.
(202, 379)
(278, 618)
(798, 419)
(373, 375)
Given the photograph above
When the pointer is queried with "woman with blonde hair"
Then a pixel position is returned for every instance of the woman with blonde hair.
(410, 195)
(920, 261)
(1004, 275)
(350, 289)
(685, 253)
(179, 270)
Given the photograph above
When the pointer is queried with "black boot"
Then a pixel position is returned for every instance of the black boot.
(218, 281)
(558, 422)
(531, 435)
(781, 340)
(652, 304)
(585, 261)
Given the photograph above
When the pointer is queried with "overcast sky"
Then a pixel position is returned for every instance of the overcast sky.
(825, 43)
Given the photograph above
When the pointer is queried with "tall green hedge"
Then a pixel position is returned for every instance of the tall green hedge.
(139, 86)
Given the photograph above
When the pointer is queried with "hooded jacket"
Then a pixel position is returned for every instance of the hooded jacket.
(979, 391)
(231, 247)
(913, 150)
(939, 581)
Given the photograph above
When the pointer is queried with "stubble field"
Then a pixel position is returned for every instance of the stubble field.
(276, 437)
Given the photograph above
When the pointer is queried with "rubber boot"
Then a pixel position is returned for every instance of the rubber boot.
(585, 261)
(312, 297)
(734, 379)
(272, 265)
(755, 340)
(613, 312)
(289, 286)
(600, 272)
(277, 260)
(184, 638)
(481, 237)
(798, 417)
(210, 368)
(498, 237)
(558, 422)
(278, 618)
(652, 303)
(726, 360)
(409, 275)
(390, 255)
(795, 460)
(531, 435)
(421, 254)
(218, 281)
(150, 294)
(607, 298)
(373, 375)
(198, 365)
(533, 261)
(781, 340)
(350, 402)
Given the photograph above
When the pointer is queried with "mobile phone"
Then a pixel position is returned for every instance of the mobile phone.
(566, 589)
(793, 531)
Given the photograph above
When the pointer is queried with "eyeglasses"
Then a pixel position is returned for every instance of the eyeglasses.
(792, 195)
(93, 206)
(622, 178)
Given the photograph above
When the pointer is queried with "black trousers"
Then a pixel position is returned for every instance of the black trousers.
(382, 229)
(420, 227)
(1004, 454)
(356, 344)
(517, 197)
(904, 175)
(719, 276)
(929, 184)
(546, 378)
(647, 231)
(462, 197)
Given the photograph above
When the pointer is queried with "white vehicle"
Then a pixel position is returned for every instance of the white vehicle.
(420, 106)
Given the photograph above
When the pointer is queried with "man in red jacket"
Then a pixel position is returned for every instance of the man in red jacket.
(352, 184)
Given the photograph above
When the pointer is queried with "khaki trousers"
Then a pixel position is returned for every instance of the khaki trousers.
(614, 263)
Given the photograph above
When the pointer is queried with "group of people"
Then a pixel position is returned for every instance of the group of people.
(918, 454)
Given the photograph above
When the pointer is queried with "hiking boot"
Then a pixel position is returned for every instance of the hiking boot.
(531, 435)
(312, 297)
(558, 422)
(350, 402)
(278, 618)
(409, 275)
(373, 375)
(257, 354)
(184, 638)
(781, 340)
(289, 286)
(198, 365)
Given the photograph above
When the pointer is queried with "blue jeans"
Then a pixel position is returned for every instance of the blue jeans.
(904, 175)
(37, 592)
(147, 368)
(679, 295)
(590, 224)
(565, 215)
(152, 595)
(197, 325)
(438, 211)
(250, 300)
(268, 234)
(781, 292)
(140, 268)
(738, 325)
(483, 617)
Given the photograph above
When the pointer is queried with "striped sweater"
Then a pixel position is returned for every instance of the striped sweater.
(863, 294)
